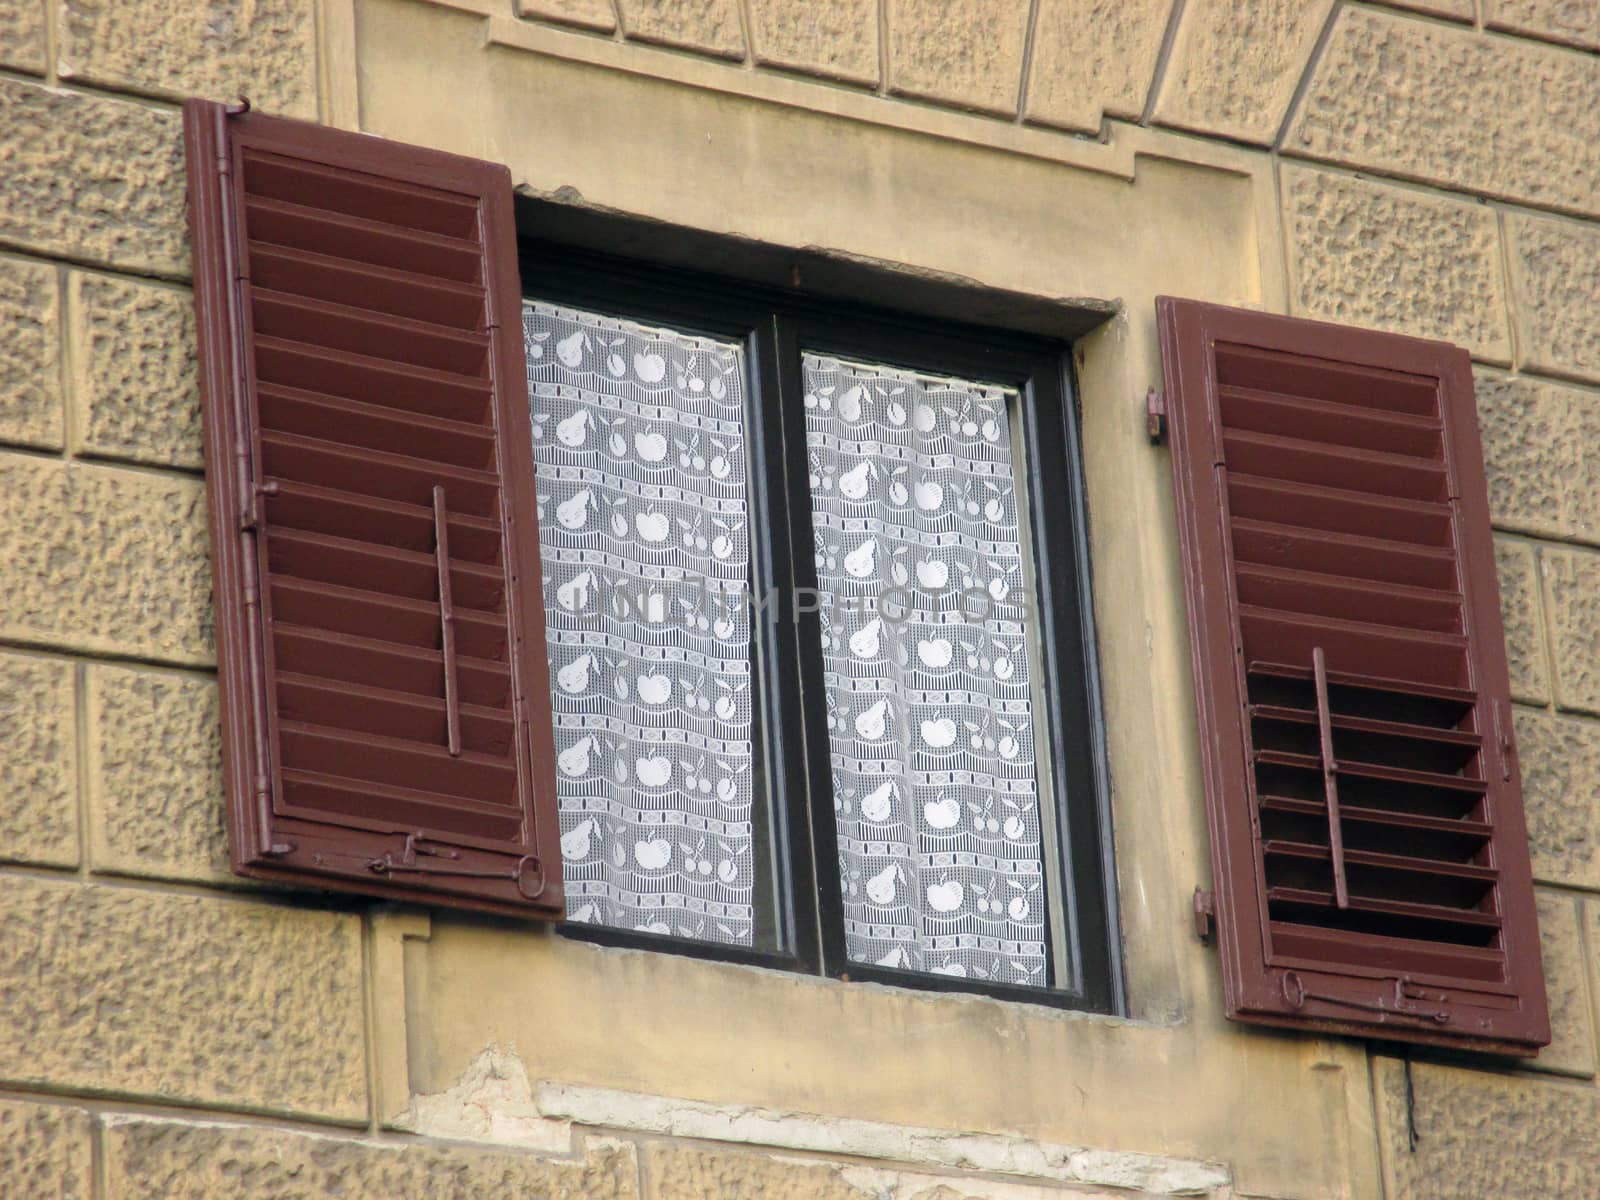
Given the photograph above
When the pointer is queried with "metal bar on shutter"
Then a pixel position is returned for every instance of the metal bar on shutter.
(1330, 778)
(447, 621)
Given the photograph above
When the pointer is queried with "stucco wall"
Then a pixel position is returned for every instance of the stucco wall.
(1431, 167)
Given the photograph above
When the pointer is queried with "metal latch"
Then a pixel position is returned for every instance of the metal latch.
(527, 874)
(1205, 915)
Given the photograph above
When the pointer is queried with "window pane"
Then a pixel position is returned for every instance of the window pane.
(921, 563)
(638, 437)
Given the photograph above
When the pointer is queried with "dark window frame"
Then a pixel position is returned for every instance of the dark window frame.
(774, 324)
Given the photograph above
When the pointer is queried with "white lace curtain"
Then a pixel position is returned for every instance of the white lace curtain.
(930, 712)
(639, 440)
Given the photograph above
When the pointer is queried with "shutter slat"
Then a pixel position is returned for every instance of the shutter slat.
(1331, 423)
(399, 293)
(332, 418)
(360, 518)
(369, 455)
(359, 331)
(302, 227)
(1336, 510)
(339, 704)
(1367, 842)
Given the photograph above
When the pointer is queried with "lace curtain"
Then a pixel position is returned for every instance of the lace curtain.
(927, 673)
(638, 437)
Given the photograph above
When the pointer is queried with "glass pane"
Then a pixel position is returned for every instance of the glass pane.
(923, 572)
(639, 442)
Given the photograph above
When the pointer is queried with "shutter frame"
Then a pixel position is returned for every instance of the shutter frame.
(517, 871)
(1262, 983)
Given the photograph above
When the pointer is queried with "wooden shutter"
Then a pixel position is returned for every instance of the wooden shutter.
(1369, 853)
(380, 632)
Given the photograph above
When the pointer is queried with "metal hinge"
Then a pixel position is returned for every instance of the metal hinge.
(527, 874)
(1155, 416)
(1295, 994)
(1205, 915)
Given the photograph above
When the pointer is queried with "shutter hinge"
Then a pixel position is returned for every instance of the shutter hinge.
(1155, 416)
(1508, 745)
(1295, 994)
(239, 109)
(1205, 915)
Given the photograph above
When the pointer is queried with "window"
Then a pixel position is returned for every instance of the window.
(816, 622)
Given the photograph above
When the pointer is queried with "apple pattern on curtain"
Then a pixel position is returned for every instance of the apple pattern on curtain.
(919, 562)
(639, 443)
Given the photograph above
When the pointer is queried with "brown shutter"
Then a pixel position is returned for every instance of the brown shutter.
(380, 633)
(1370, 857)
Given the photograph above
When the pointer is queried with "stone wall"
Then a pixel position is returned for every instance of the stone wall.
(167, 1030)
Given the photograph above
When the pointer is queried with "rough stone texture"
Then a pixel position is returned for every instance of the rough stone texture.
(1575, 22)
(1539, 449)
(837, 39)
(170, 1160)
(1369, 254)
(45, 1151)
(1456, 10)
(103, 559)
(710, 26)
(135, 388)
(22, 43)
(1234, 66)
(155, 775)
(30, 364)
(1560, 760)
(1555, 277)
(681, 1173)
(1438, 103)
(92, 178)
(588, 14)
(38, 762)
(962, 52)
(1519, 611)
(1572, 582)
(183, 998)
(1093, 60)
(1485, 1134)
(1566, 980)
(221, 49)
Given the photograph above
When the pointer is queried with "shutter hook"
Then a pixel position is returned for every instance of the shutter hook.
(239, 108)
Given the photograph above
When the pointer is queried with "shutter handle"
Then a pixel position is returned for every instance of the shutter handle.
(447, 622)
(1330, 779)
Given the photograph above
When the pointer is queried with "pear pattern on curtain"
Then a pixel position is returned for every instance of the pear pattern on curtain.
(930, 713)
(639, 443)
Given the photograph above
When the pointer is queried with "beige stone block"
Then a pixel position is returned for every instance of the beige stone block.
(177, 1160)
(103, 559)
(1369, 254)
(1234, 67)
(1440, 103)
(1093, 60)
(837, 39)
(22, 42)
(38, 761)
(182, 998)
(1519, 612)
(263, 49)
(45, 1151)
(967, 53)
(1560, 762)
(30, 363)
(1540, 443)
(710, 26)
(1572, 583)
(684, 1173)
(1483, 1134)
(586, 14)
(1566, 981)
(135, 387)
(92, 177)
(155, 775)
(1575, 22)
(1555, 279)
(1455, 10)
